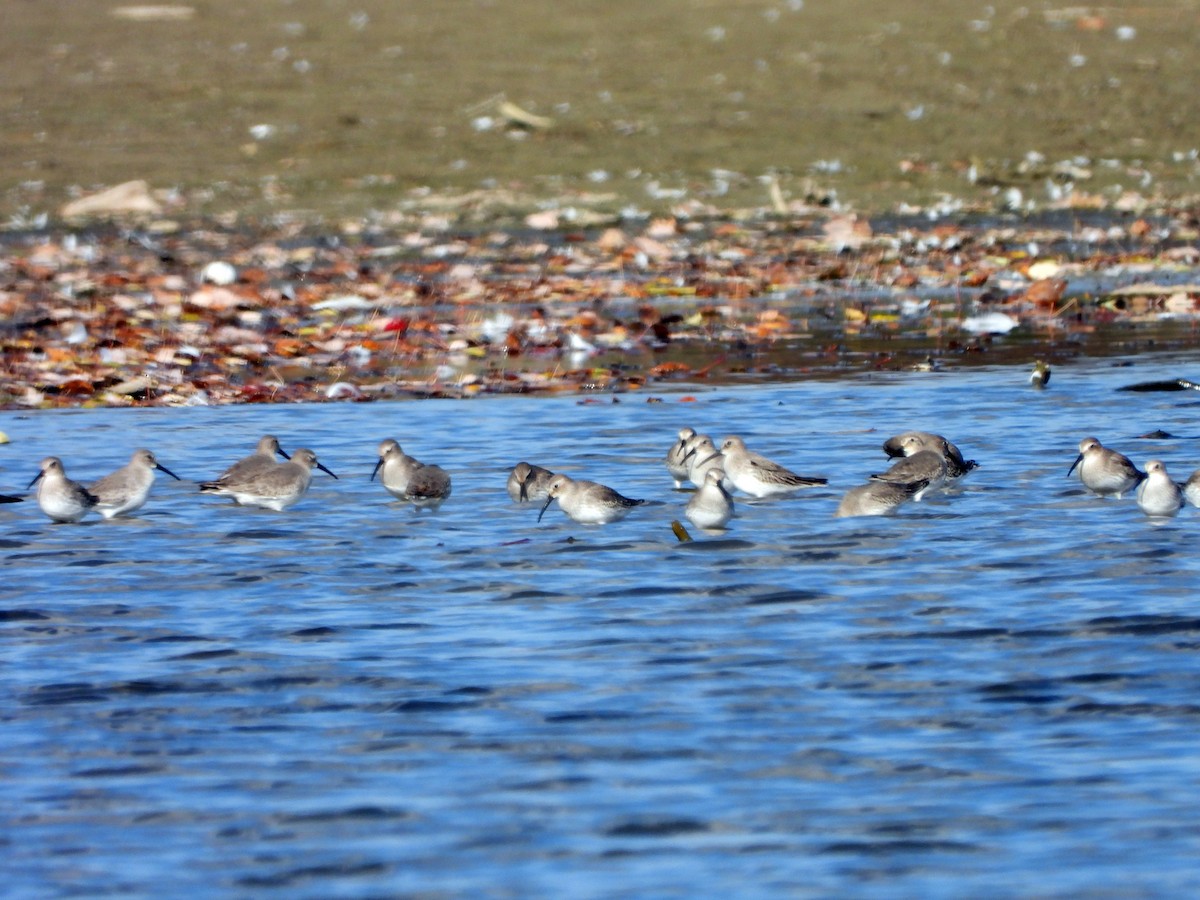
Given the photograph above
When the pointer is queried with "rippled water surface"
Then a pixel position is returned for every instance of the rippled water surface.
(996, 692)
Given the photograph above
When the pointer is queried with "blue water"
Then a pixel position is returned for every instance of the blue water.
(994, 693)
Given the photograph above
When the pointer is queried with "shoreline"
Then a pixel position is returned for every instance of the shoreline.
(139, 315)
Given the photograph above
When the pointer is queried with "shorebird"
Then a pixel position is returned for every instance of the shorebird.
(1158, 495)
(677, 457)
(275, 488)
(710, 507)
(407, 478)
(262, 458)
(702, 456)
(1040, 376)
(1191, 490)
(60, 498)
(877, 498)
(923, 472)
(1105, 471)
(126, 489)
(587, 502)
(912, 442)
(754, 474)
(528, 483)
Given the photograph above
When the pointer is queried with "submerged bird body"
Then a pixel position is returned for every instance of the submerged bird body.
(60, 498)
(754, 474)
(587, 502)
(277, 487)
(924, 471)
(428, 487)
(912, 442)
(711, 506)
(877, 498)
(528, 483)
(1158, 496)
(1105, 471)
(126, 490)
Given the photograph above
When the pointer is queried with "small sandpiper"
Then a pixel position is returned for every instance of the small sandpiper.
(1191, 490)
(1105, 471)
(407, 478)
(702, 456)
(911, 442)
(711, 507)
(528, 483)
(678, 456)
(275, 488)
(1157, 495)
(261, 459)
(60, 498)
(587, 502)
(754, 474)
(923, 472)
(126, 489)
(877, 498)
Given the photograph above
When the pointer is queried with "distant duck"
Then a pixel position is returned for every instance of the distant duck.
(1040, 376)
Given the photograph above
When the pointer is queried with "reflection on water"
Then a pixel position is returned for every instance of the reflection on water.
(347, 698)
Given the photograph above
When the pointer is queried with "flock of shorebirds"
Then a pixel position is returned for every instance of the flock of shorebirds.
(923, 463)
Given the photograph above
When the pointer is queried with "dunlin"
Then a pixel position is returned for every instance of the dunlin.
(60, 498)
(528, 483)
(126, 489)
(911, 442)
(1191, 490)
(587, 502)
(1105, 471)
(263, 458)
(710, 507)
(275, 488)
(702, 456)
(409, 479)
(678, 456)
(924, 471)
(754, 474)
(1158, 495)
(877, 498)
